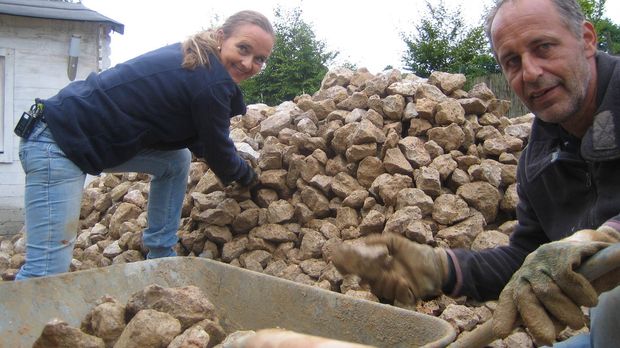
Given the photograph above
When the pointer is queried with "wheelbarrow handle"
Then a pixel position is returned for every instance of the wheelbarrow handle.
(598, 264)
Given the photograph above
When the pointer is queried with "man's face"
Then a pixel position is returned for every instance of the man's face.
(245, 52)
(547, 66)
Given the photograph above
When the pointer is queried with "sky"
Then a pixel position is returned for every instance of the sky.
(367, 34)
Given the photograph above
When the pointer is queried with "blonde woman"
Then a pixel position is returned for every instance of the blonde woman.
(144, 115)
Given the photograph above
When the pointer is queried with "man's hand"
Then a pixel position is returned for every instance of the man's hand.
(406, 271)
(547, 292)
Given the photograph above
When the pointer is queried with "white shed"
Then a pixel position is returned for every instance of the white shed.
(44, 45)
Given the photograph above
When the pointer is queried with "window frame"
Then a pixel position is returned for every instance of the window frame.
(7, 88)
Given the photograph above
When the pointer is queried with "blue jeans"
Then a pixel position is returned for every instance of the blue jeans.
(54, 186)
(604, 324)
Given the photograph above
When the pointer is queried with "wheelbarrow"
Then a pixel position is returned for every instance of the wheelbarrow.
(244, 300)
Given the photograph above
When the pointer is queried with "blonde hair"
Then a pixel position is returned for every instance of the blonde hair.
(196, 48)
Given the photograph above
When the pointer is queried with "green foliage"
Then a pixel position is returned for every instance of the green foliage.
(297, 64)
(608, 32)
(349, 65)
(592, 9)
(473, 56)
(608, 36)
(442, 42)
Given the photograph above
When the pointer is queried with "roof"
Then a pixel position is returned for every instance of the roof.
(56, 10)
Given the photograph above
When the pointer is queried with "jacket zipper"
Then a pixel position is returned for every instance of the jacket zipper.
(590, 185)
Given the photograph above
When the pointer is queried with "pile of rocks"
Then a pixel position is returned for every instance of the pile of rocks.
(365, 154)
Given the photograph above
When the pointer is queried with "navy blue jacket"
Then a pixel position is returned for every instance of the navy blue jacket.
(149, 102)
(565, 184)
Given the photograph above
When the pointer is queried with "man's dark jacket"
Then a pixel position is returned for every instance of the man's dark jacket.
(565, 184)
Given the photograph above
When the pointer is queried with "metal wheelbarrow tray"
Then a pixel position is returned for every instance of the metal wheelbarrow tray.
(244, 300)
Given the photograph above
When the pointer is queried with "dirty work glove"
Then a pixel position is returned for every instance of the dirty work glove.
(249, 179)
(546, 292)
(605, 233)
(395, 267)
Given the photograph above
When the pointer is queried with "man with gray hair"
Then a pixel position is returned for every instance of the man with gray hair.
(568, 186)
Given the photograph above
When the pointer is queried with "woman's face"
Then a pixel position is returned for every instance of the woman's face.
(245, 51)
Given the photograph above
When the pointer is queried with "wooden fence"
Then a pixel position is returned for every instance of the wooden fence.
(498, 84)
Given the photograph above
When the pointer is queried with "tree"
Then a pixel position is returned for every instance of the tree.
(608, 36)
(442, 42)
(592, 9)
(608, 32)
(297, 64)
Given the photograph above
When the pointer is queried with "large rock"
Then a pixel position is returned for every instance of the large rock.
(58, 334)
(149, 329)
(186, 304)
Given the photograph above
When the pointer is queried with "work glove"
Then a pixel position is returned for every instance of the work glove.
(249, 179)
(606, 234)
(395, 267)
(547, 292)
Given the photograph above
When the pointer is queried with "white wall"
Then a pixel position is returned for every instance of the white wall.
(40, 48)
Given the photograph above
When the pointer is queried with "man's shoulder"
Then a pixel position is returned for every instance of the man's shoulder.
(602, 141)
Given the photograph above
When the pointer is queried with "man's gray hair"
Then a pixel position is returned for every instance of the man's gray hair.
(569, 10)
